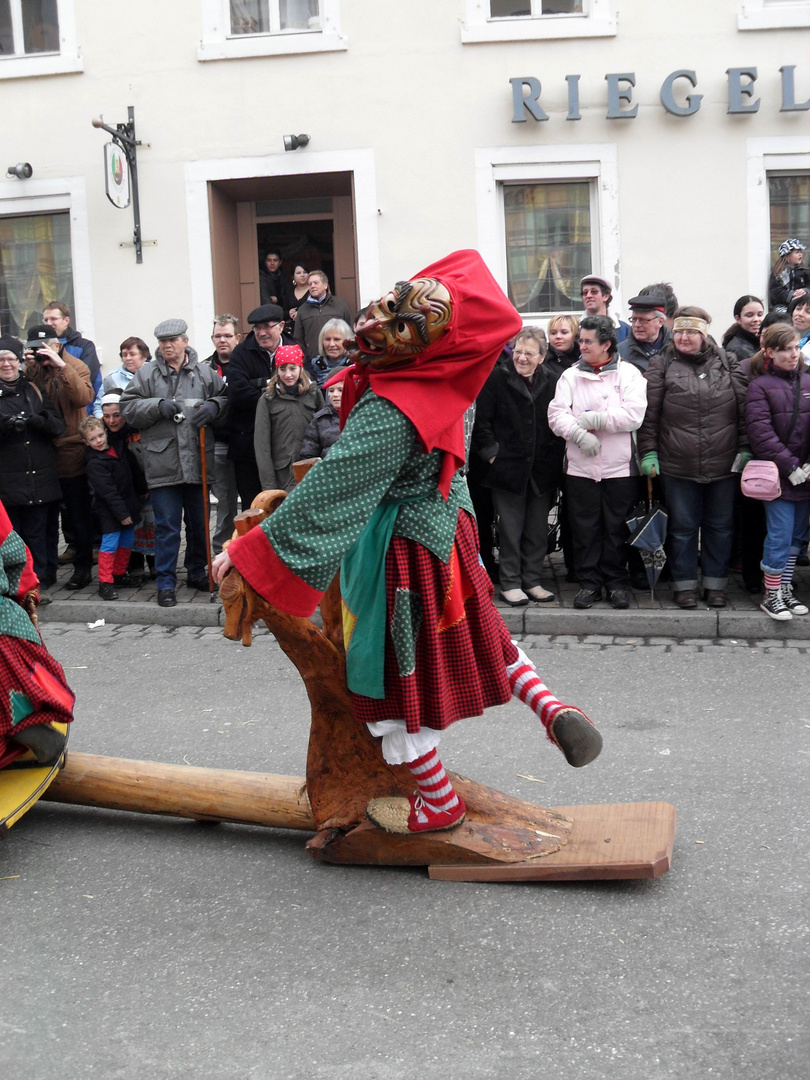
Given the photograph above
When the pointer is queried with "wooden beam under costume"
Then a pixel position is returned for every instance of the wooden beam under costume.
(501, 839)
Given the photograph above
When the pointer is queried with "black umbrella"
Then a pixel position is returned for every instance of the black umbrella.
(648, 531)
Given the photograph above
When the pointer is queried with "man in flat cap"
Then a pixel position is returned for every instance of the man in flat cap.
(172, 402)
(250, 368)
(648, 331)
(596, 293)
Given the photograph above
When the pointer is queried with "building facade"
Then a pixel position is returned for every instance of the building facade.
(644, 141)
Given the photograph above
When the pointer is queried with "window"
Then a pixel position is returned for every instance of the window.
(510, 9)
(548, 244)
(35, 267)
(778, 200)
(789, 198)
(773, 14)
(532, 20)
(547, 216)
(37, 37)
(239, 28)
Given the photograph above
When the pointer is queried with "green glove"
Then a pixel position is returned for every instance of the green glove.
(649, 464)
(745, 456)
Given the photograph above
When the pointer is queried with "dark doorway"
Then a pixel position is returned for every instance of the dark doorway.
(310, 243)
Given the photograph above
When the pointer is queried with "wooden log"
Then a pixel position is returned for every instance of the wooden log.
(150, 787)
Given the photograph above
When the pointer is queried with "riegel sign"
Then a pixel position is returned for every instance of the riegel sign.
(675, 96)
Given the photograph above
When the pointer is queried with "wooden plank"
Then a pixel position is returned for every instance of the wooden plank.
(150, 787)
(615, 841)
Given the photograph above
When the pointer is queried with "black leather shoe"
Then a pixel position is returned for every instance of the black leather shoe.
(166, 598)
(714, 597)
(124, 581)
(80, 580)
(586, 597)
(107, 591)
(200, 583)
(619, 598)
(686, 599)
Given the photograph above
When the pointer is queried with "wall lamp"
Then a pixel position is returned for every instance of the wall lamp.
(292, 142)
(22, 171)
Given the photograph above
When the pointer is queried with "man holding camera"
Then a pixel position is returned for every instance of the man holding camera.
(66, 381)
(172, 402)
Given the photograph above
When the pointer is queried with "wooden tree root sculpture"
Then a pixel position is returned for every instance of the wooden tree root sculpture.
(501, 839)
(345, 768)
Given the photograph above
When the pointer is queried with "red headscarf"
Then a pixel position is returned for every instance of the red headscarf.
(436, 388)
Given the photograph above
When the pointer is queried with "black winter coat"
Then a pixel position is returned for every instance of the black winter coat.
(742, 344)
(122, 443)
(249, 370)
(632, 351)
(558, 362)
(28, 475)
(511, 425)
(113, 490)
(323, 431)
(782, 288)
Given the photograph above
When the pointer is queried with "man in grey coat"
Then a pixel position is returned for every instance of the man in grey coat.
(173, 401)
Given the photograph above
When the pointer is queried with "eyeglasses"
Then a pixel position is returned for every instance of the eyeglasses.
(638, 319)
(687, 333)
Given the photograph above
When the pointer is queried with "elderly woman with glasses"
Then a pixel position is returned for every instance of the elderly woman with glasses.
(693, 431)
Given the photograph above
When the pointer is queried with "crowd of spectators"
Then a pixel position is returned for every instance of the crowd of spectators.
(570, 426)
(599, 419)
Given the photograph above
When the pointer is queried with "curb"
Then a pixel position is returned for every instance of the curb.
(705, 624)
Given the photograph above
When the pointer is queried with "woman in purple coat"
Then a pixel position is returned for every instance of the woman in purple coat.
(777, 415)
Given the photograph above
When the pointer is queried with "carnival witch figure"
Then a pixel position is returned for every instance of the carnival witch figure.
(36, 703)
(425, 646)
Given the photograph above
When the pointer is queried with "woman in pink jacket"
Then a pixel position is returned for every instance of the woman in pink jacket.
(599, 402)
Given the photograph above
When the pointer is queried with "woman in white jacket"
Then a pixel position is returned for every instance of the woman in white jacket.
(599, 402)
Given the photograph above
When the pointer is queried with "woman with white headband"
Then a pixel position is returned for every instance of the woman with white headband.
(693, 430)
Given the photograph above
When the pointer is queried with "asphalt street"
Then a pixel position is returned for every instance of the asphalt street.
(150, 948)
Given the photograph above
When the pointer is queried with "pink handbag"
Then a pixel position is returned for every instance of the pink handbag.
(760, 480)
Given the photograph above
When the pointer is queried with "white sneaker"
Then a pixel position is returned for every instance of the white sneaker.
(514, 597)
(539, 594)
(774, 605)
(796, 607)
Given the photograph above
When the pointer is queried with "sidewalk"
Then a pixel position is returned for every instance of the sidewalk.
(645, 617)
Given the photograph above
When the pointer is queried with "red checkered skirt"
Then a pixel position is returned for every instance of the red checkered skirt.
(446, 646)
(33, 689)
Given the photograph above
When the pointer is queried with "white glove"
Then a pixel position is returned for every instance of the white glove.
(588, 443)
(806, 469)
(592, 421)
(798, 476)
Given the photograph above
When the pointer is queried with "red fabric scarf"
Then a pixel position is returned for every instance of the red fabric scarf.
(438, 386)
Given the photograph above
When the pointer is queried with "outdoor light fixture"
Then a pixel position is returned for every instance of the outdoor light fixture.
(23, 170)
(292, 142)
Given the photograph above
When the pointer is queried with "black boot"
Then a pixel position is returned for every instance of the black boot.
(107, 591)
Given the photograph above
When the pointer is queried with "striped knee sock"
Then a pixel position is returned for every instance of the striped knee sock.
(531, 690)
(433, 782)
(773, 582)
(790, 566)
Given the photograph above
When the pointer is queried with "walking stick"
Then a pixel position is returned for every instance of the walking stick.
(206, 513)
